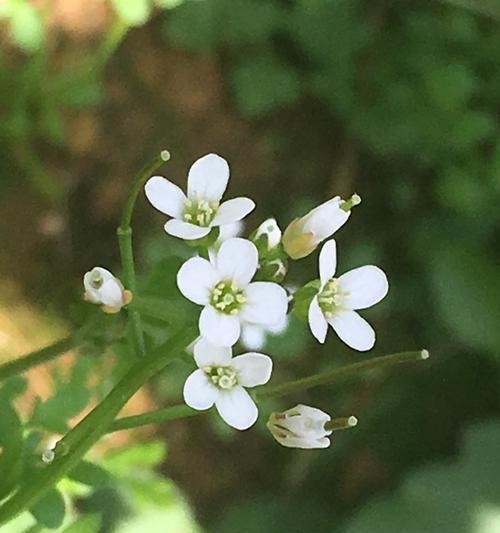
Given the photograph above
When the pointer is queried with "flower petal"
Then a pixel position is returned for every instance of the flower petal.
(365, 286)
(327, 261)
(353, 330)
(233, 210)
(208, 177)
(317, 321)
(199, 393)
(195, 279)
(237, 408)
(237, 260)
(266, 304)
(325, 219)
(184, 230)
(253, 369)
(165, 196)
(111, 293)
(206, 353)
(304, 443)
(219, 329)
(253, 336)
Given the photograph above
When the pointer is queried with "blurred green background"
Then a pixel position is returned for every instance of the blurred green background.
(396, 100)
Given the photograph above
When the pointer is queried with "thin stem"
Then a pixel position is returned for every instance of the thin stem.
(25, 362)
(343, 372)
(124, 233)
(80, 439)
(153, 417)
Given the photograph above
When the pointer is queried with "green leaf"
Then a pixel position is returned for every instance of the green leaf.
(467, 288)
(50, 510)
(27, 27)
(145, 455)
(11, 445)
(133, 12)
(263, 84)
(91, 474)
(90, 523)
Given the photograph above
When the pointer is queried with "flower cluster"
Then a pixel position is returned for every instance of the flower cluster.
(238, 283)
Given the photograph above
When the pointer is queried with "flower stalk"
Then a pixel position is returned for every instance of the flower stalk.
(343, 372)
(156, 416)
(124, 233)
(70, 450)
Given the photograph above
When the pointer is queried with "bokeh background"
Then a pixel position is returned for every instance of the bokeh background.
(396, 100)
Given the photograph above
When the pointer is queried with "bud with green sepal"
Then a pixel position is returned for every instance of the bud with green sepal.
(273, 263)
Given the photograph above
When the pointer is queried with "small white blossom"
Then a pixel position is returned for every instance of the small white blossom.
(254, 336)
(300, 427)
(104, 289)
(221, 380)
(304, 234)
(270, 228)
(223, 286)
(338, 298)
(195, 215)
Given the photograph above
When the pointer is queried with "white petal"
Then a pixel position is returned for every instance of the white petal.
(365, 286)
(353, 330)
(206, 353)
(184, 230)
(227, 231)
(317, 321)
(111, 293)
(253, 369)
(267, 303)
(327, 261)
(270, 228)
(253, 337)
(304, 443)
(237, 408)
(237, 260)
(233, 210)
(195, 279)
(208, 177)
(165, 196)
(199, 393)
(326, 219)
(218, 328)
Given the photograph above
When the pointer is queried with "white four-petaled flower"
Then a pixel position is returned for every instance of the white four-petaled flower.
(195, 215)
(221, 380)
(223, 286)
(304, 234)
(338, 298)
(300, 427)
(106, 290)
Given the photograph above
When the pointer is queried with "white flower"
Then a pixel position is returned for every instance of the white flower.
(104, 289)
(222, 285)
(254, 336)
(195, 215)
(220, 380)
(300, 427)
(270, 228)
(303, 235)
(338, 298)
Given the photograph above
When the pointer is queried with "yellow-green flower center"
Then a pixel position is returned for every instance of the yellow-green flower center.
(329, 298)
(199, 212)
(227, 298)
(224, 377)
(96, 279)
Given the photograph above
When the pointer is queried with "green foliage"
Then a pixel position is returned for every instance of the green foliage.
(50, 510)
(132, 12)
(90, 523)
(462, 497)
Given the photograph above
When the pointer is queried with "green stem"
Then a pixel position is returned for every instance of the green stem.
(153, 417)
(343, 372)
(124, 233)
(25, 362)
(70, 450)
(338, 424)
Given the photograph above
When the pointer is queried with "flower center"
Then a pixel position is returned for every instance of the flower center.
(199, 212)
(96, 279)
(227, 298)
(329, 297)
(224, 377)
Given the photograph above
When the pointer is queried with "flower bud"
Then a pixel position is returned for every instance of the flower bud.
(300, 427)
(303, 235)
(269, 230)
(104, 289)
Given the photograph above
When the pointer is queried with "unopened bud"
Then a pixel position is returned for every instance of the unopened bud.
(104, 289)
